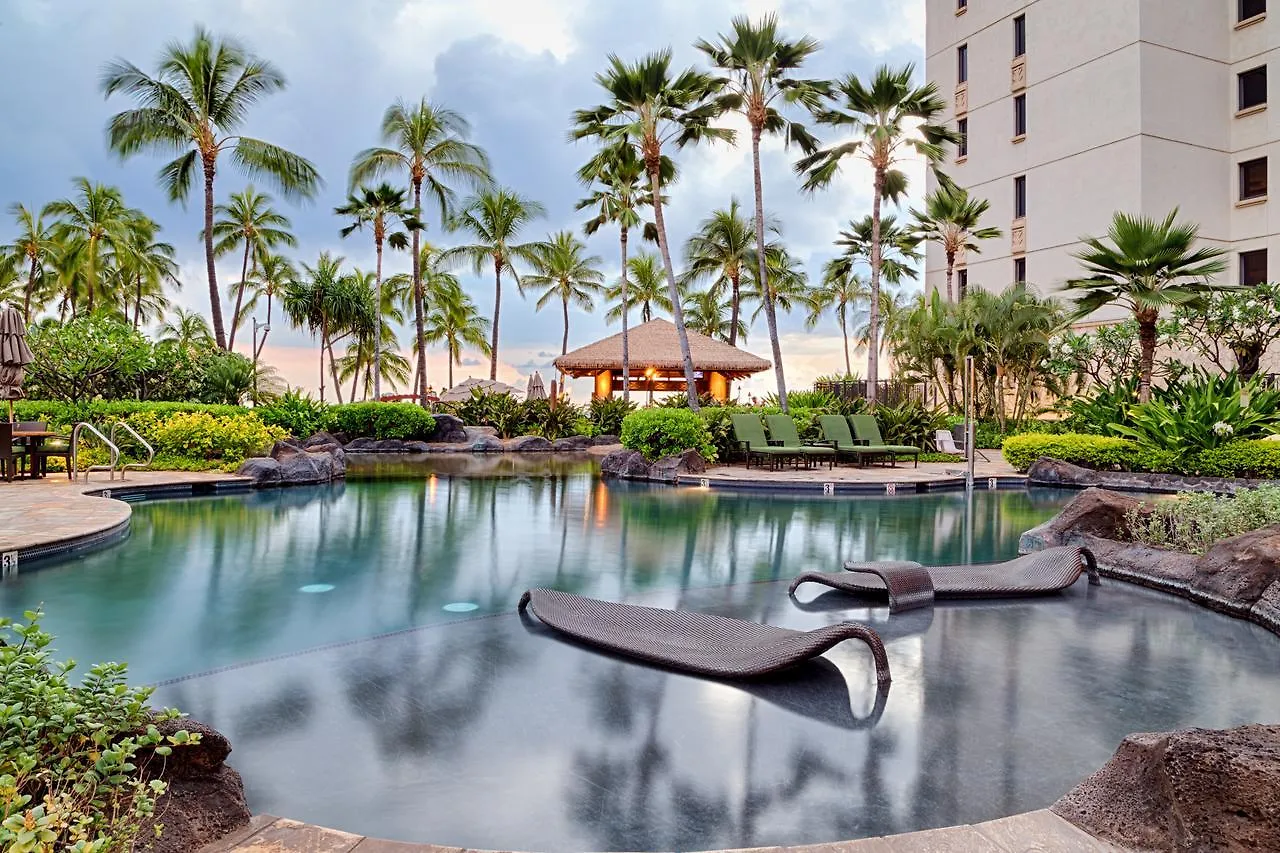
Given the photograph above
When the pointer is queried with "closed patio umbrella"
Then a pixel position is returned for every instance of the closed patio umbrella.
(536, 390)
(462, 391)
(15, 355)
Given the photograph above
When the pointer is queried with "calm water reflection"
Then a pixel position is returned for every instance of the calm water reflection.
(477, 729)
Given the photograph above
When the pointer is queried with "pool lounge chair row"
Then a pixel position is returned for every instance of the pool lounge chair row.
(783, 443)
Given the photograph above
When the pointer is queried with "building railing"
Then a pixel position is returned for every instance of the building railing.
(888, 391)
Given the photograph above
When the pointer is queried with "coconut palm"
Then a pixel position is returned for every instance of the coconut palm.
(952, 220)
(271, 275)
(379, 207)
(372, 341)
(90, 227)
(842, 291)
(1014, 326)
(648, 108)
(429, 142)
(759, 62)
(248, 222)
(562, 270)
(328, 302)
(899, 248)
(788, 282)
(198, 100)
(719, 250)
(1148, 266)
(647, 288)
(455, 322)
(30, 249)
(495, 219)
(892, 118)
(187, 330)
(145, 265)
(707, 313)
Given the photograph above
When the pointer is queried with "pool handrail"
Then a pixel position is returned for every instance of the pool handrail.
(75, 442)
(151, 452)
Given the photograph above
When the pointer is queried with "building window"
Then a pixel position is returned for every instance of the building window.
(1253, 87)
(962, 64)
(1019, 270)
(1020, 197)
(1251, 9)
(1020, 115)
(962, 281)
(1019, 36)
(1253, 179)
(962, 131)
(961, 5)
(1253, 267)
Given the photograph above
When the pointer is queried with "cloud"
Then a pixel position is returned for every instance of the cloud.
(472, 362)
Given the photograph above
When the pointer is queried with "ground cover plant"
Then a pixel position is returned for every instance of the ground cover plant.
(1193, 523)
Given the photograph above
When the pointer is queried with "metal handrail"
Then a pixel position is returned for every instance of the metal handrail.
(75, 441)
(151, 452)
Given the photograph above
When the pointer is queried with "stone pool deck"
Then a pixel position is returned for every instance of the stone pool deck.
(850, 478)
(1032, 832)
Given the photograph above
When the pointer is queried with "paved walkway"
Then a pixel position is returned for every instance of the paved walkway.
(1025, 833)
(851, 475)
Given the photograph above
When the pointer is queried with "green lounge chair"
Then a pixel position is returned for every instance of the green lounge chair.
(866, 429)
(835, 429)
(783, 431)
(749, 433)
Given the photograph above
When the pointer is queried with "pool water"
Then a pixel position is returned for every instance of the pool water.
(359, 645)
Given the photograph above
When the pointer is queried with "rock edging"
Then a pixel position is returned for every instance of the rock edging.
(319, 459)
(1047, 471)
(632, 465)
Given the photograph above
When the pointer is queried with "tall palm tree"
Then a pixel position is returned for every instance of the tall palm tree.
(842, 290)
(788, 282)
(249, 221)
(899, 248)
(372, 336)
(91, 226)
(374, 206)
(30, 249)
(648, 108)
(1015, 327)
(719, 250)
(328, 302)
(272, 275)
(1149, 265)
(145, 266)
(495, 219)
(186, 330)
(891, 118)
(648, 288)
(616, 176)
(759, 62)
(707, 314)
(198, 100)
(563, 270)
(429, 142)
(455, 322)
(952, 220)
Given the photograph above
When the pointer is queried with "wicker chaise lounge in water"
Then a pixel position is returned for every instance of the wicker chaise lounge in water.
(909, 585)
(693, 642)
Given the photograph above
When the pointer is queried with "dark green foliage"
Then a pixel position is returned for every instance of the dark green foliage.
(295, 412)
(1201, 412)
(606, 414)
(660, 432)
(910, 423)
(1106, 405)
(404, 421)
(538, 418)
(84, 358)
(1091, 451)
(228, 378)
(63, 415)
(1260, 459)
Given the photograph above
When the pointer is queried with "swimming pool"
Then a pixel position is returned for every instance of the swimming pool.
(358, 644)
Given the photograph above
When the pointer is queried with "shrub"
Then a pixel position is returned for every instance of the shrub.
(1202, 412)
(1092, 451)
(200, 435)
(909, 423)
(106, 412)
(1194, 522)
(294, 412)
(606, 414)
(662, 432)
(404, 421)
(1259, 459)
(74, 759)
(537, 417)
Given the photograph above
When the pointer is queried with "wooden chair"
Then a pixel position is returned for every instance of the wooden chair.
(12, 454)
(56, 447)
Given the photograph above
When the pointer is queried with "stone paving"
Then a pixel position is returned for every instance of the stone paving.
(903, 473)
(1032, 832)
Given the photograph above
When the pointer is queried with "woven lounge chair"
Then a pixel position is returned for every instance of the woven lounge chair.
(835, 430)
(783, 431)
(909, 585)
(749, 433)
(693, 642)
(866, 429)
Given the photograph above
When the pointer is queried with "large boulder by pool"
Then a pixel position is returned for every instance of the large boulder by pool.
(631, 465)
(1197, 789)
(1047, 471)
(449, 429)
(298, 463)
(527, 444)
(627, 464)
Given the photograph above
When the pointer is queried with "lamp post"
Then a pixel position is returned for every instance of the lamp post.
(266, 327)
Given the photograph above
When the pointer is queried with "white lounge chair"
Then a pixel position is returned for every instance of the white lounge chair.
(947, 444)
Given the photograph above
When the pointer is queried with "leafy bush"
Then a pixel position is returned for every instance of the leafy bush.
(200, 435)
(720, 429)
(1194, 522)
(75, 760)
(1203, 412)
(539, 418)
(909, 423)
(295, 412)
(63, 414)
(662, 432)
(606, 414)
(1106, 405)
(1091, 451)
(1260, 459)
(228, 378)
(404, 421)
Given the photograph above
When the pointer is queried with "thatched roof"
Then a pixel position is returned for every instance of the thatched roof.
(655, 344)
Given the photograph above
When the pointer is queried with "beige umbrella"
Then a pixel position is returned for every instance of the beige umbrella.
(15, 355)
(462, 391)
(536, 390)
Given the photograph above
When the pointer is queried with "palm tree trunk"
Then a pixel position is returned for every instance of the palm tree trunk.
(735, 306)
(626, 347)
(266, 330)
(451, 360)
(377, 326)
(419, 310)
(215, 301)
(564, 342)
(677, 312)
(873, 332)
(1147, 358)
(355, 378)
(31, 287)
(951, 265)
(844, 331)
(497, 310)
(333, 371)
(137, 305)
(244, 274)
(766, 292)
(324, 337)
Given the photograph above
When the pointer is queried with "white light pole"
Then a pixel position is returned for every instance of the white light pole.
(265, 327)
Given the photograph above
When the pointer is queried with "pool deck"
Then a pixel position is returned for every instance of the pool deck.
(851, 479)
(1031, 832)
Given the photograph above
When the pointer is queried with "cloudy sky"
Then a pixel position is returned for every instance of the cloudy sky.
(515, 68)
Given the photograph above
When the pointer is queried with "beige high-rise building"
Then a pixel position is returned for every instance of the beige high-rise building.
(1074, 109)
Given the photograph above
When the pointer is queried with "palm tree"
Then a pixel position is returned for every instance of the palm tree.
(705, 313)
(328, 302)
(892, 118)
(841, 290)
(951, 219)
(562, 270)
(249, 220)
(198, 100)
(272, 275)
(455, 322)
(649, 108)
(373, 340)
(495, 218)
(720, 249)
(374, 206)
(90, 228)
(428, 142)
(146, 265)
(616, 174)
(1015, 327)
(899, 248)
(29, 249)
(759, 63)
(788, 282)
(186, 330)
(648, 288)
(1149, 266)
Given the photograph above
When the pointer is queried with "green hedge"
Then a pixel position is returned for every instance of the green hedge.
(100, 412)
(1091, 451)
(662, 432)
(405, 421)
(1260, 459)
(1257, 459)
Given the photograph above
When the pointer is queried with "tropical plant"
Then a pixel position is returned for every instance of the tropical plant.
(83, 357)
(894, 118)
(1105, 405)
(144, 266)
(953, 220)
(90, 229)
(293, 411)
(403, 421)
(563, 271)
(899, 248)
(648, 108)
(273, 274)
(331, 303)
(648, 288)
(910, 423)
(1243, 323)
(229, 378)
(455, 322)
(606, 414)
(1203, 411)
(1014, 328)
(198, 100)
(429, 142)
(842, 291)
(495, 219)
(788, 282)
(720, 250)
(1108, 353)
(660, 432)
(30, 250)
(1194, 523)
(186, 330)
(248, 222)
(707, 313)
(1149, 266)
(759, 63)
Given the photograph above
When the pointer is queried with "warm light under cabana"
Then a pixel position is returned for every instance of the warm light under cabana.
(656, 365)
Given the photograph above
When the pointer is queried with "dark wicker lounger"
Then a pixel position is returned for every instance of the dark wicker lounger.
(910, 585)
(693, 642)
